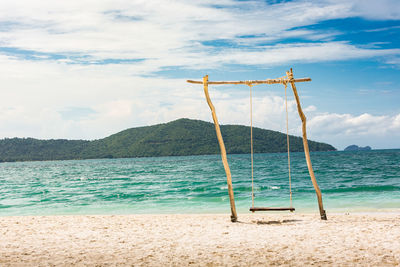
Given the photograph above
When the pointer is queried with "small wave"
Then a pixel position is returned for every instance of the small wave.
(379, 188)
(274, 187)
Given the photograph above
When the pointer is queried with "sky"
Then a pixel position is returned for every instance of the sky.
(87, 69)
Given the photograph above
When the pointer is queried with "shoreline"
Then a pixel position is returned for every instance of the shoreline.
(360, 211)
(259, 239)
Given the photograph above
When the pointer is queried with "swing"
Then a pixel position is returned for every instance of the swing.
(254, 209)
(288, 79)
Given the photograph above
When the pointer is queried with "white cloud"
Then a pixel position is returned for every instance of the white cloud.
(171, 33)
(164, 34)
(366, 129)
(310, 109)
(394, 61)
(379, 10)
(314, 52)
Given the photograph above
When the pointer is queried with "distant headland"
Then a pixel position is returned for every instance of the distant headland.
(181, 137)
(357, 148)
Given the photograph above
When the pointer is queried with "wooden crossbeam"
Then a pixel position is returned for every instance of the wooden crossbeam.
(267, 81)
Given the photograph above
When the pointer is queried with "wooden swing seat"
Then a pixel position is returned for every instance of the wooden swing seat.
(253, 209)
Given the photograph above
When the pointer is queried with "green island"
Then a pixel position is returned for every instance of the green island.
(181, 137)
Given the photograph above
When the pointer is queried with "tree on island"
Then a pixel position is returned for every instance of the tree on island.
(357, 148)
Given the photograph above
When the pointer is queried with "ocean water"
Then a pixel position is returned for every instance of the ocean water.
(349, 181)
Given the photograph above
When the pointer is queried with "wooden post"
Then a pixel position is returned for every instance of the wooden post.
(305, 144)
(223, 151)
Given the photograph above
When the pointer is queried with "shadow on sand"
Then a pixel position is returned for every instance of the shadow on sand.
(275, 222)
(270, 222)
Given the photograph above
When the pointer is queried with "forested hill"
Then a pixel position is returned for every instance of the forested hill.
(176, 138)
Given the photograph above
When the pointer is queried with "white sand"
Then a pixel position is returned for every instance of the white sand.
(201, 240)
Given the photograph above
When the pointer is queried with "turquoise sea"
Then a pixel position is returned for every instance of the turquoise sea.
(349, 181)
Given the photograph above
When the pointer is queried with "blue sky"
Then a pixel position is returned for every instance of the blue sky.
(87, 69)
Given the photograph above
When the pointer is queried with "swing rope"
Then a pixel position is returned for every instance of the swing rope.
(288, 144)
(251, 145)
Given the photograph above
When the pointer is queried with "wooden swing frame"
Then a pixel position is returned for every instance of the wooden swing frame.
(288, 79)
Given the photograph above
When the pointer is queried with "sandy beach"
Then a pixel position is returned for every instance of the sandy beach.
(368, 239)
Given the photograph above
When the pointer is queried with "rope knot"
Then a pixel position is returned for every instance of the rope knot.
(284, 80)
(248, 83)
